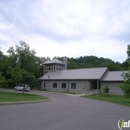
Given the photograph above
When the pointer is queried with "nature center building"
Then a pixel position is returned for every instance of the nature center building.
(57, 78)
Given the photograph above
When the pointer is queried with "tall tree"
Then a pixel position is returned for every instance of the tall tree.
(16, 75)
(24, 65)
(126, 85)
(25, 57)
(2, 80)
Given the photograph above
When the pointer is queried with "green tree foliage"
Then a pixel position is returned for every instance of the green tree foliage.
(29, 78)
(106, 90)
(21, 76)
(93, 62)
(21, 66)
(125, 65)
(25, 57)
(3, 64)
(16, 76)
(126, 85)
(2, 80)
(128, 51)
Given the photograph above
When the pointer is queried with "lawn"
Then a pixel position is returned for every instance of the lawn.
(111, 98)
(16, 96)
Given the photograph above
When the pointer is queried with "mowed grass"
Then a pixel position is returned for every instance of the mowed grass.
(16, 96)
(118, 99)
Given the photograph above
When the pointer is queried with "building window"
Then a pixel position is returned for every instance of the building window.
(63, 85)
(73, 85)
(44, 85)
(54, 85)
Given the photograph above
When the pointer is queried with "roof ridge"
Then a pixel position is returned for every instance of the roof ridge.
(89, 68)
(54, 61)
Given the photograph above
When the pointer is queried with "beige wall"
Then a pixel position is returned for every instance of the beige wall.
(79, 86)
(49, 86)
(114, 87)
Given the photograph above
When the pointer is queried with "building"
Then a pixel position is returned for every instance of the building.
(113, 79)
(55, 65)
(57, 78)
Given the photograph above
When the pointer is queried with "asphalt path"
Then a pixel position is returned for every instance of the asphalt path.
(63, 112)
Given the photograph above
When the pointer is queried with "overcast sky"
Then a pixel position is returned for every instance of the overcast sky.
(71, 28)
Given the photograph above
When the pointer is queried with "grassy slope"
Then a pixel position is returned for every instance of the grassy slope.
(111, 98)
(13, 96)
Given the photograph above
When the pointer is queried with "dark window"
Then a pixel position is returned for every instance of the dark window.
(54, 85)
(73, 85)
(63, 85)
(44, 85)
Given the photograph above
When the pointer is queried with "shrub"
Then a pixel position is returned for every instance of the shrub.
(106, 90)
(126, 89)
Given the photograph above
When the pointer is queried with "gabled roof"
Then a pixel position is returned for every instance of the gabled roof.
(54, 61)
(90, 73)
(113, 76)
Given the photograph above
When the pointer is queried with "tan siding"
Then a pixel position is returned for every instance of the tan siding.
(114, 87)
(79, 86)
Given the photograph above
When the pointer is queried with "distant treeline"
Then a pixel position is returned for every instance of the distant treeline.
(93, 62)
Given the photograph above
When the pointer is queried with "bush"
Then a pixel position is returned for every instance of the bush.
(126, 89)
(106, 90)
(126, 85)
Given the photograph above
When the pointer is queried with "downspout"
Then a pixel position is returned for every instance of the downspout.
(97, 87)
(68, 86)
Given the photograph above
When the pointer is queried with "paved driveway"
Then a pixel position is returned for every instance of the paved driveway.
(63, 113)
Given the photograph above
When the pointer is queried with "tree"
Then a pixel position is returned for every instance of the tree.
(106, 90)
(126, 85)
(3, 63)
(21, 76)
(23, 55)
(2, 80)
(16, 75)
(93, 62)
(29, 78)
(23, 66)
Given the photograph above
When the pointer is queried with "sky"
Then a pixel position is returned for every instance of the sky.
(71, 28)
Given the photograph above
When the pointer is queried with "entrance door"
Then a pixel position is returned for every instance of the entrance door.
(93, 84)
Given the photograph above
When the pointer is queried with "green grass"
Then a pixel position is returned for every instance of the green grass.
(16, 96)
(111, 98)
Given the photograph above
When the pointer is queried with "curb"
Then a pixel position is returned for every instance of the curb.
(24, 102)
(53, 93)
